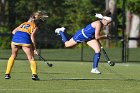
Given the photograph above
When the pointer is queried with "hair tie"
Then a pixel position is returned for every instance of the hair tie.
(103, 17)
(99, 16)
(107, 18)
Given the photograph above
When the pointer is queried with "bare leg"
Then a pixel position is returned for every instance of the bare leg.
(95, 46)
(70, 43)
(12, 58)
(15, 49)
(30, 56)
(29, 52)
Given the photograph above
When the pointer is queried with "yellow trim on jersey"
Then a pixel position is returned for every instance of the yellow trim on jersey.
(20, 44)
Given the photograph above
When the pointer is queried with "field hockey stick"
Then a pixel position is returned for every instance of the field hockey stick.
(106, 56)
(49, 64)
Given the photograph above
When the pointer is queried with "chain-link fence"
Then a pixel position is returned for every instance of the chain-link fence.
(51, 48)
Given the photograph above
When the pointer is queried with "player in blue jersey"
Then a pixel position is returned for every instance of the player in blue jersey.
(24, 37)
(90, 34)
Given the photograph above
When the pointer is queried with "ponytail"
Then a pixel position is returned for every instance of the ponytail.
(38, 15)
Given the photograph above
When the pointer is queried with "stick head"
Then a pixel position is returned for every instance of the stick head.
(111, 63)
(50, 65)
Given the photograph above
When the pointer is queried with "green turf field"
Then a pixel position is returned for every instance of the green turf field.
(71, 77)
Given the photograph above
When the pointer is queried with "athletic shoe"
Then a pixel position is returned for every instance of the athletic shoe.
(96, 71)
(59, 29)
(35, 77)
(7, 76)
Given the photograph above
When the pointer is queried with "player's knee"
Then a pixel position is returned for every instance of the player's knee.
(69, 44)
(97, 51)
(30, 58)
(66, 44)
(14, 55)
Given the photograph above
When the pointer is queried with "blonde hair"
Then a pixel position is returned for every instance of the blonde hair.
(38, 15)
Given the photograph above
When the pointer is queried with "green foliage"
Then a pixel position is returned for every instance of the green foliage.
(73, 14)
(77, 14)
(134, 6)
(4, 40)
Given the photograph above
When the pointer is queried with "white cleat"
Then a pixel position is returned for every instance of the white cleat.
(59, 29)
(95, 71)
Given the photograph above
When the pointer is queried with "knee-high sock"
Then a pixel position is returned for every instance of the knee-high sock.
(33, 67)
(9, 65)
(96, 60)
(64, 39)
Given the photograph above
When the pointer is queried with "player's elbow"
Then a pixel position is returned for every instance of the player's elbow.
(13, 33)
(97, 37)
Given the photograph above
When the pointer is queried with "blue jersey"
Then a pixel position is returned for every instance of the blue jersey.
(84, 34)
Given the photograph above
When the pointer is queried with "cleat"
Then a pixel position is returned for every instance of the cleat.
(7, 76)
(35, 77)
(59, 29)
(95, 71)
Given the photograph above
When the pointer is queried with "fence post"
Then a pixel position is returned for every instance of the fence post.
(39, 51)
(123, 33)
(82, 51)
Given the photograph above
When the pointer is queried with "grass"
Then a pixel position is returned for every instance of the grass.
(73, 54)
(71, 77)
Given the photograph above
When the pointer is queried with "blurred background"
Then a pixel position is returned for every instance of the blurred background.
(74, 15)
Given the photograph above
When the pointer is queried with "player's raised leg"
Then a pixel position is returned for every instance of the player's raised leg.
(68, 43)
(60, 31)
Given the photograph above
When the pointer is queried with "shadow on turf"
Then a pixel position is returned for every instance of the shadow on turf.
(108, 79)
(55, 73)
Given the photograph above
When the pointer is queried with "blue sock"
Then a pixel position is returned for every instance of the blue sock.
(64, 39)
(96, 59)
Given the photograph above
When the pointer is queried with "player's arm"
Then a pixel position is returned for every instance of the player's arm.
(97, 32)
(33, 39)
(15, 30)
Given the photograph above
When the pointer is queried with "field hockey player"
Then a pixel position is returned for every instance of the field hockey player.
(90, 34)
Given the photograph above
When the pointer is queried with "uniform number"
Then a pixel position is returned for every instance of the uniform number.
(25, 26)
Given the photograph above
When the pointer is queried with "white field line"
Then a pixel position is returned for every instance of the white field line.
(66, 90)
(17, 89)
(127, 64)
(90, 90)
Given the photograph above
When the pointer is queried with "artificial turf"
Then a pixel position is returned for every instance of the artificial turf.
(71, 77)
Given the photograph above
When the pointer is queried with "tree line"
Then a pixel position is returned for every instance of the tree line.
(72, 14)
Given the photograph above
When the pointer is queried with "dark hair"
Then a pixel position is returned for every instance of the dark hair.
(107, 13)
